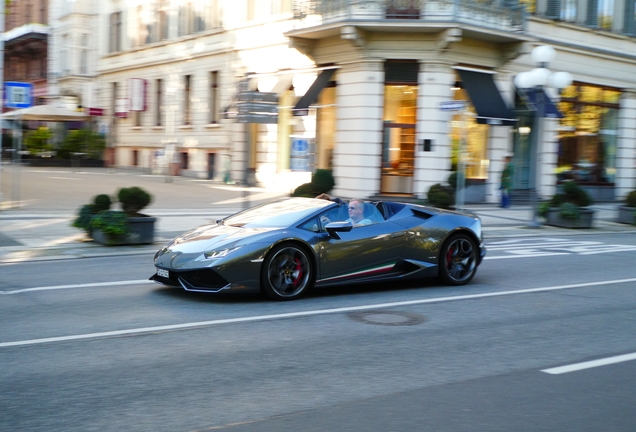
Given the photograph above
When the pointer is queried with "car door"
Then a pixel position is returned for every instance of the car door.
(365, 251)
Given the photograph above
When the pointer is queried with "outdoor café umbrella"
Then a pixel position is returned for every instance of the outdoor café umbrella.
(44, 113)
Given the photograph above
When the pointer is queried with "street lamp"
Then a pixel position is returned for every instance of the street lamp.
(535, 80)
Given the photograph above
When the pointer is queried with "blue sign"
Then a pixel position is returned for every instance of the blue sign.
(18, 94)
(299, 146)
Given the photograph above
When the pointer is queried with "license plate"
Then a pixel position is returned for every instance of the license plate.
(163, 273)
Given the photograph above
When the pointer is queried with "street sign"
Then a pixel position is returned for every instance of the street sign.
(255, 96)
(453, 105)
(18, 94)
(257, 107)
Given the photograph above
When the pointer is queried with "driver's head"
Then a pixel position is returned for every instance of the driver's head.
(356, 210)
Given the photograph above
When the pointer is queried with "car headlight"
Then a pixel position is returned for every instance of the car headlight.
(221, 253)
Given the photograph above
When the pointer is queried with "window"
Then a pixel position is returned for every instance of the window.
(83, 54)
(600, 14)
(569, 10)
(186, 19)
(186, 100)
(64, 56)
(135, 157)
(115, 32)
(476, 136)
(162, 20)
(159, 103)
(214, 97)
(137, 115)
(184, 160)
(588, 134)
(629, 24)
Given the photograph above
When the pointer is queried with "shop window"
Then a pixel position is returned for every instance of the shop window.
(588, 134)
(465, 126)
(398, 145)
(184, 160)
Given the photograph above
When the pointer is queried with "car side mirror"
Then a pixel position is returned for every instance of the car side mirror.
(333, 228)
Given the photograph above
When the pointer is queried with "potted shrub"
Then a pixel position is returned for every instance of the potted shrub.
(443, 195)
(322, 181)
(570, 208)
(627, 212)
(118, 227)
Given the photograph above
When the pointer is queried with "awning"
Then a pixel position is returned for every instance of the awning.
(484, 94)
(550, 110)
(311, 96)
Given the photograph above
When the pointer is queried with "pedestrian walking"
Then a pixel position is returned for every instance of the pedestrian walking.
(506, 182)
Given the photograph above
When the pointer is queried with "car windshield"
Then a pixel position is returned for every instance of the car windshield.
(278, 214)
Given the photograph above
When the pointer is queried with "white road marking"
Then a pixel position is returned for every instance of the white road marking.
(144, 330)
(540, 247)
(590, 364)
(87, 285)
(65, 178)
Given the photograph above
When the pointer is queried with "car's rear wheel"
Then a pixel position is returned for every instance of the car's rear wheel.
(458, 260)
(287, 273)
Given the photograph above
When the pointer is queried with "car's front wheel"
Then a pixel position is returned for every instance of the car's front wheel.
(458, 260)
(287, 273)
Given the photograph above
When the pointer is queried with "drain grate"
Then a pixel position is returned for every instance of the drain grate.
(388, 318)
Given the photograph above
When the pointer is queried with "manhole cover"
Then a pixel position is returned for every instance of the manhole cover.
(388, 318)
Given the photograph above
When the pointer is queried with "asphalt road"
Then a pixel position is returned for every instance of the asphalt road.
(89, 344)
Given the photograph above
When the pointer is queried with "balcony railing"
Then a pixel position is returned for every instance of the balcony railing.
(503, 15)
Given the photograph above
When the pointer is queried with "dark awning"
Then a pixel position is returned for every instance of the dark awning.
(484, 94)
(550, 110)
(312, 94)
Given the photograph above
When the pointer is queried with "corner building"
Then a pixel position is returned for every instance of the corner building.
(362, 84)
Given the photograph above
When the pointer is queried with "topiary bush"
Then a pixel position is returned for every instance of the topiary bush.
(305, 190)
(84, 216)
(441, 196)
(133, 199)
(323, 181)
(630, 199)
(576, 195)
(101, 202)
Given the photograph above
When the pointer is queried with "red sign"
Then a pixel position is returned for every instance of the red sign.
(96, 112)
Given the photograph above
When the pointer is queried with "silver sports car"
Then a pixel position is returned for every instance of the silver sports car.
(285, 248)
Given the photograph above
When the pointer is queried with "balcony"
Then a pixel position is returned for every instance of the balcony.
(495, 20)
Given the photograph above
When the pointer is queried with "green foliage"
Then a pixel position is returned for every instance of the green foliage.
(441, 196)
(569, 210)
(37, 141)
(101, 202)
(452, 180)
(84, 216)
(82, 141)
(630, 199)
(305, 190)
(543, 209)
(323, 181)
(575, 194)
(110, 222)
(133, 199)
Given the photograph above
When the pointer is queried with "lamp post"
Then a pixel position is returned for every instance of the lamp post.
(536, 80)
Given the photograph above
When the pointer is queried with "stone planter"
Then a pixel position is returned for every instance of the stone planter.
(627, 215)
(141, 230)
(586, 220)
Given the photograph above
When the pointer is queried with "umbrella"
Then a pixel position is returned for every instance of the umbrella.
(44, 113)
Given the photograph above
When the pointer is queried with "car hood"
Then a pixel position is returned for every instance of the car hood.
(214, 237)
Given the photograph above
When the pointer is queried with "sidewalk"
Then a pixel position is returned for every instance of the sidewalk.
(36, 236)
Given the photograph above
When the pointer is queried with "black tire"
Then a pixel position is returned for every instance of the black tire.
(287, 273)
(458, 260)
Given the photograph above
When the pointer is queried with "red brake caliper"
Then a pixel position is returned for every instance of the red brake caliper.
(449, 257)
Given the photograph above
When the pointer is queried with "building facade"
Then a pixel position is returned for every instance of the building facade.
(26, 45)
(391, 95)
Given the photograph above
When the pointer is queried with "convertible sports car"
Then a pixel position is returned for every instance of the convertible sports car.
(285, 248)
